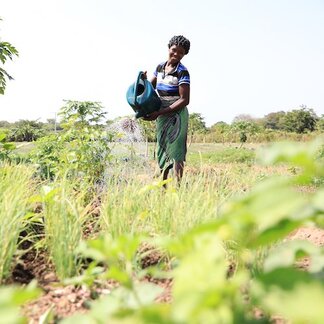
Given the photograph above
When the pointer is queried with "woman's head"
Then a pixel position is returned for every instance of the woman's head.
(180, 41)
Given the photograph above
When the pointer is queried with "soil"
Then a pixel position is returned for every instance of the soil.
(64, 301)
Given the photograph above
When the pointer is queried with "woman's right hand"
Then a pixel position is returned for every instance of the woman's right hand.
(152, 116)
(144, 75)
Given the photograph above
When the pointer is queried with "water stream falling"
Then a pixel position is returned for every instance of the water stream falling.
(129, 149)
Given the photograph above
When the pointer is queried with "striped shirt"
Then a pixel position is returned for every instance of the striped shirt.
(167, 85)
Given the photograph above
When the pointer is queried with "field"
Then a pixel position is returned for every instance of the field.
(238, 241)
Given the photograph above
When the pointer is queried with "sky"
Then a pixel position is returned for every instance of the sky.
(249, 57)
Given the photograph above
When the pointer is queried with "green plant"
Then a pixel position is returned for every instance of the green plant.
(81, 149)
(64, 214)
(244, 129)
(15, 187)
(133, 207)
(11, 298)
(5, 148)
(46, 156)
(251, 231)
(26, 131)
(120, 261)
(7, 51)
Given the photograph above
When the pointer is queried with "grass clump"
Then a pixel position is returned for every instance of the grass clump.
(15, 188)
(134, 207)
(64, 215)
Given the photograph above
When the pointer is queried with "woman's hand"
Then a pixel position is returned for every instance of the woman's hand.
(152, 116)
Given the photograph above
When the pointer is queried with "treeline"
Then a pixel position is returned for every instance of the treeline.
(28, 130)
(299, 124)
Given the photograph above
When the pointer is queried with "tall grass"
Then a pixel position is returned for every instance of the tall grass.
(64, 215)
(15, 188)
(135, 203)
(134, 207)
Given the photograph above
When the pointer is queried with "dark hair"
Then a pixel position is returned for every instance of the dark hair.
(180, 41)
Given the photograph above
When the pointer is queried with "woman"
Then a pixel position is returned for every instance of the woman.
(172, 81)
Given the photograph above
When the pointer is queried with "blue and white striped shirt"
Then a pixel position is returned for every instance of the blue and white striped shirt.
(167, 85)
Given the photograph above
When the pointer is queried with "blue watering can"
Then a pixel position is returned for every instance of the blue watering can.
(142, 97)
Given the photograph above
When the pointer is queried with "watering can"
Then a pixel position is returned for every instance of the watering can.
(141, 96)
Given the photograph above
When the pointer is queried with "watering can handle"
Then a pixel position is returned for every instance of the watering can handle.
(136, 86)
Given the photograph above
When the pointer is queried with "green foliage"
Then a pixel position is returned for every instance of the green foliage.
(130, 207)
(320, 124)
(121, 262)
(226, 256)
(86, 153)
(7, 51)
(274, 120)
(26, 131)
(46, 156)
(196, 125)
(64, 214)
(300, 120)
(220, 131)
(15, 188)
(5, 148)
(245, 129)
(80, 114)
(11, 298)
(82, 147)
(249, 232)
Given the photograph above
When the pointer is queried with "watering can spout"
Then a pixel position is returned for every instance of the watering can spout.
(142, 97)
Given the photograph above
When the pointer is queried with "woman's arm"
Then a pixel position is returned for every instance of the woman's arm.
(183, 101)
(153, 81)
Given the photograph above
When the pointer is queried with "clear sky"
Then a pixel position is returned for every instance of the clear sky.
(247, 56)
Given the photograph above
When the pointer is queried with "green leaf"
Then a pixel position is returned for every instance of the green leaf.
(274, 233)
(292, 294)
(286, 254)
(9, 146)
(285, 278)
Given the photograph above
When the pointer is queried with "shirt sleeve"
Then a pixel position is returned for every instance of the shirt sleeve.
(158, 69)
(184, 77)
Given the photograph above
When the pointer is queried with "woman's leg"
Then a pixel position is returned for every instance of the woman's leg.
(165, 171)
(178, 169)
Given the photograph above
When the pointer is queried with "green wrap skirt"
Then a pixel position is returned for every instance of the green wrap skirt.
(172, 130)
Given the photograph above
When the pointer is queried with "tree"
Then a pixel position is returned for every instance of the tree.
(220, 129)
(26, 131)
(320, 124)
(242, 117)
(274, 120)
(196, 125)
(4, 124)
(244, 128)
(81, 149)
(300, 120)
(7, 51)
(81, 114)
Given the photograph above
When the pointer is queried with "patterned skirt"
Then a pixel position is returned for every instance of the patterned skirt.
(172, 132)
